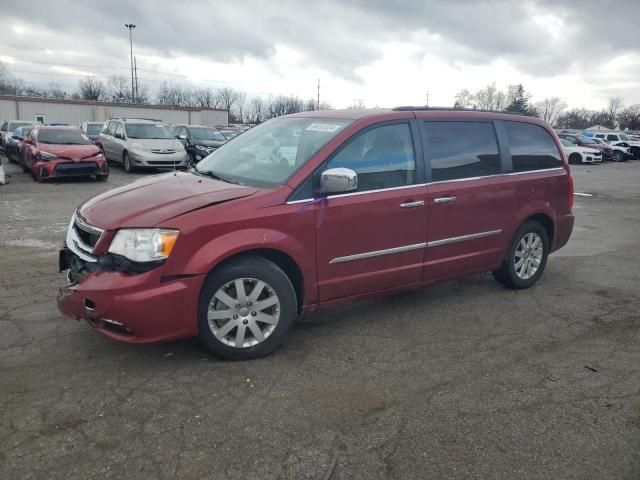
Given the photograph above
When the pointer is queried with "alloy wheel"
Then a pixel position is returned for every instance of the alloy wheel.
(243, 312)
(528, 255)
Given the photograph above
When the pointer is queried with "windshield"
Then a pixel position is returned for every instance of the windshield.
(206, 134)
(147, 130)
(267, 155)
(14, 125)
(94, 128)
(566, 143)
(23, 131)
(63, 137)
(588, 140)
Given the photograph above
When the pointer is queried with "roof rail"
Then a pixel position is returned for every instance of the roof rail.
(410, 108)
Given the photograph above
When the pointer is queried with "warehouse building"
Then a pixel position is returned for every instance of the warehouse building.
(74, 112)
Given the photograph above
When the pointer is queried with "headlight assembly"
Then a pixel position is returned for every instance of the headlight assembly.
(47, 156)
(144, 244)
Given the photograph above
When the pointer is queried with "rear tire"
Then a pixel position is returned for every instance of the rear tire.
(575, 159)
(128, 164)
(526, 257)
(618, 156)
(228, 317)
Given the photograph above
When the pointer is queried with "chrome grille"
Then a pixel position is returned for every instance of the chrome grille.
(82, 237)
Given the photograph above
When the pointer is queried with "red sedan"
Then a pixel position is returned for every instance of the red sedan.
(59, 152)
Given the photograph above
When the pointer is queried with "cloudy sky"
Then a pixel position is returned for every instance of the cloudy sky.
(385, 52)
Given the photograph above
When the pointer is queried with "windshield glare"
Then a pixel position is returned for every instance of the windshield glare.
(147, 130)
(63, 137)
(267, 155)
(206, 134)
(587, 140)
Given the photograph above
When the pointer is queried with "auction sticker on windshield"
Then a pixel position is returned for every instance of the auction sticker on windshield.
(323, 127)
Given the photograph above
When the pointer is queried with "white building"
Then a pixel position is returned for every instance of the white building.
(74, 112)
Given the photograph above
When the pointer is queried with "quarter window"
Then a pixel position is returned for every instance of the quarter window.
(461, 150)
(383, 157)
(532, 148)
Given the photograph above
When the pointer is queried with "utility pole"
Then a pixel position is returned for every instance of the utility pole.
(318, 104)
(131, 26)
(135, 69)
(427, 98)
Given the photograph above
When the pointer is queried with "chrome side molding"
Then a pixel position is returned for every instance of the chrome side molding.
(378, 253)
(462, 238)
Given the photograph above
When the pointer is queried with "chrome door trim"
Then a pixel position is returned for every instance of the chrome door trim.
(444, 200)
(505, 174)
(378, 253)
(341, 195)
(462, 238)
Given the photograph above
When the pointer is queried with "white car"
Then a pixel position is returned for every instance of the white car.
(620, 154)
(621, 140)
(579, 155)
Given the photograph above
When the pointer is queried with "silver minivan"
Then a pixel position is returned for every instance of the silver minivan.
(141, 143)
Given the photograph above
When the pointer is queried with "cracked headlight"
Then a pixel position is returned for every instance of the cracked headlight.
(144, 244)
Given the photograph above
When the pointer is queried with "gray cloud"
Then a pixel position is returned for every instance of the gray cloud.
(338, 36)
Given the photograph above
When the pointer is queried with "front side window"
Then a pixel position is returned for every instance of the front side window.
(268, 154)
(119, 130)
(198, 133)
(63, 137)
(148, 131)
(461, 150)
(383, 157)
(532, 148)
(93, 128)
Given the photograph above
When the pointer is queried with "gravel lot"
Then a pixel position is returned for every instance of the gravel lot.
(459, 380)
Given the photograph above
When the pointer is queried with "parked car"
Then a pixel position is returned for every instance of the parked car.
(55, 152)
(235, 248)
(92, 130)
(139, 143)
(586, 142)
(621, 140)
(229, 132)
(15, 142)
(198, 141)
(580, 155)
(8, 127)
(620, 154)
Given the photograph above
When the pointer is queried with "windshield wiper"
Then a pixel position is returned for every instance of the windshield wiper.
(210, 174)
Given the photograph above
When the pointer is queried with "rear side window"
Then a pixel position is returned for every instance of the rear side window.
(532, 148)
(612, 137)
(461, 150)
(383, 157)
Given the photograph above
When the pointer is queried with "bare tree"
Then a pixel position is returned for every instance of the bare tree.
(630, 117)
(118, 89)
(91, 88)
(614, 105)
(55, 91)
(206, 98)
(487, 98)
(228, 97)
(550, 109)
(358, 104)
(464, 99)
(256, 110)
(239, 110)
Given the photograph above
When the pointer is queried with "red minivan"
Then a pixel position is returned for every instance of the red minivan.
(309, 209)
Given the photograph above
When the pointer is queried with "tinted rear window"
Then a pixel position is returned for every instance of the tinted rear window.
(532, 148)
(461, 150)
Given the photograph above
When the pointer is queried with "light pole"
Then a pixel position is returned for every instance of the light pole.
(131, 26)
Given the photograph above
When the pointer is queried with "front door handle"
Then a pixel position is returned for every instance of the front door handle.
(412, 204)
(444, 200)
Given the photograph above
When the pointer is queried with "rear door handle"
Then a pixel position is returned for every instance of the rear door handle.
(412, 204)
(444, 200)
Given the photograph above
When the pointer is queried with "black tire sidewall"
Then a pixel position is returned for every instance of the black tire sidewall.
(618, 156)
(250, 267)
(528, 227)
(573, 157)
(126, 162)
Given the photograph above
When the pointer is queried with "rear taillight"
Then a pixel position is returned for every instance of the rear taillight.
(571, 191)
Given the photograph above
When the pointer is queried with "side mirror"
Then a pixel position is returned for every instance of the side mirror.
(338, 180)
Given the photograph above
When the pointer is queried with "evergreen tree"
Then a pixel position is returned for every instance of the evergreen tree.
(520, 103)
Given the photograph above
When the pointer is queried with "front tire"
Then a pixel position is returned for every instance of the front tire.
(246, 309)
(526, 258)
(575, 158)
(618, 156)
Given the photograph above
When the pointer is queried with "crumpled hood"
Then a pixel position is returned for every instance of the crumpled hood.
(157, 198)
(69, 151)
